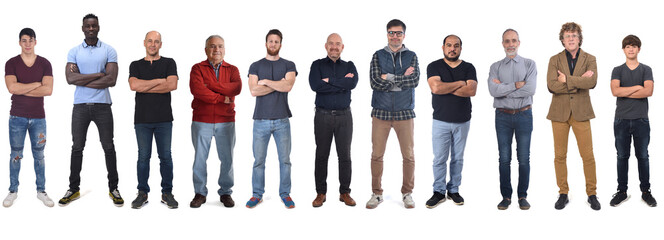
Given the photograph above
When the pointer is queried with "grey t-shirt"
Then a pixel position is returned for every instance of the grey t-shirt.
(275, 104)
(632, 108)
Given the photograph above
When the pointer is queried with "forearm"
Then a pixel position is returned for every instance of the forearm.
(444, 87)
(501, 89)
(641, 93)
(466, 91)
(81, 79)
(140, 85)
(412, 80)
(260, 90)
(279, 86)
(22, 88)
(41, 91)
(377, 82)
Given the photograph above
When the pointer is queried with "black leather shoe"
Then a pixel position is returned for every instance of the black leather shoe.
(562, 201)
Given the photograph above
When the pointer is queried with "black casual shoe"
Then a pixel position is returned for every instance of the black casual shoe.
(140, 201)
(169, 200)
(227, 200)
(649, 199)
(458, 200)
(523, 204)
(618, 198)
(435, 200)
(504, 204)
(594, 203)
(562, 202)
(117, 199)
(69, 197)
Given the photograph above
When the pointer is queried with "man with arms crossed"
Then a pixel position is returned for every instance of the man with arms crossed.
(452, 82)
(395, 73)
(270, 80)
(332, 79)
(29, 78)
(153, 78)
(632, 83)
(92, 66)
(571, 74)
(512, 82)
(214, 84)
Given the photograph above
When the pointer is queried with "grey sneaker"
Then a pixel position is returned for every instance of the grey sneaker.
(9, 200)
(45, 199)
(374, 201)
(408, 200)
(140, 201)
(169, 200)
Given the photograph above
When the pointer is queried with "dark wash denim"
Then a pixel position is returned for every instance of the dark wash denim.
(337, 124)
(102, 116)
(162, 132)
(519, 125)
(624, 130)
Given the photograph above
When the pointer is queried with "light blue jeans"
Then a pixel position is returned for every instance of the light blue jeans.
(201, 137)
(36, 127)
(449, 139)
(280, 129)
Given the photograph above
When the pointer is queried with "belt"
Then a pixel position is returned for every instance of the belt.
(333, 112)
(514, 111)
(90, 104)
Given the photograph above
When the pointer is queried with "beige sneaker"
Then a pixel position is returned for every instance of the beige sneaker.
(374, 201)
(408, 201)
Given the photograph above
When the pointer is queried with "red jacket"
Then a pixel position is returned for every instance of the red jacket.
(210, 92)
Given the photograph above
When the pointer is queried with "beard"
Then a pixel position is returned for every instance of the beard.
(454, 59)
(273, 53)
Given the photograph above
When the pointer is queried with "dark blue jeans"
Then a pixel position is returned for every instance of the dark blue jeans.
(624, 130)
(519, 125)
(162, 133)
(102, 116)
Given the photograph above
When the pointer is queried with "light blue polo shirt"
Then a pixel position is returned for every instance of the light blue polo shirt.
(92, 59)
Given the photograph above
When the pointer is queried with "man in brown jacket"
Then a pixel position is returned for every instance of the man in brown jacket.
(572, 73)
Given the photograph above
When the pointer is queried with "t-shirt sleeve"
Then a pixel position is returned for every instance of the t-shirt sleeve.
(71, 56)
(253, 69)
(647, 75)
(471, 74)
(133, 69)
(112, 55)
(172, 68)
(48, 70)
(615, 74)
(10, 68)
(290, 67)
(432, 70)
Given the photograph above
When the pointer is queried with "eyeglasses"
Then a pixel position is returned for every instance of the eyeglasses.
(571, 36)
(393, 33)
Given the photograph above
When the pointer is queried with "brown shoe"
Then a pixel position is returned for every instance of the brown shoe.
(227, 200)
(320, 199)
(345, 197)
(197, 201)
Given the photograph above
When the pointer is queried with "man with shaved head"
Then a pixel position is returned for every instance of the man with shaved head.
(153, 78)
(214, 84)
(333, 79)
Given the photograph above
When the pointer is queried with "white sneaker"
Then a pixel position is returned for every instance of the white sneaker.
(408, 201)
(374, 201)
(9, 200)
(45, 199)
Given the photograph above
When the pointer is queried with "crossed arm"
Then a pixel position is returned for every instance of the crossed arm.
(558, 82)
(265, 86)
(386, 81)
(466, 88)
(636, 91)
(35, 89)
(159, 85)
(94, 80)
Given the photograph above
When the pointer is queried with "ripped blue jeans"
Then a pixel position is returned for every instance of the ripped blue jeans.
(36, 127)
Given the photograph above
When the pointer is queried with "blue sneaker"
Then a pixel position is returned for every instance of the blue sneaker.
(253, 202)
(288, 201)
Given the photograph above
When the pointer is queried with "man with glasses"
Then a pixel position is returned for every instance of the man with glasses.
(571, 75)
(394, 74)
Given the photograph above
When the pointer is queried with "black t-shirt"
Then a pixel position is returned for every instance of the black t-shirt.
(153, 107)
(449, 107)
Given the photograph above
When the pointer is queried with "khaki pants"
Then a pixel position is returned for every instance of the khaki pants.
(380, 130)
(585, 143)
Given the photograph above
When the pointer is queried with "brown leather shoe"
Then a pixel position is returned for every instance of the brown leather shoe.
(197, 201)
(320, 199)
(345, 197)
(227, 200)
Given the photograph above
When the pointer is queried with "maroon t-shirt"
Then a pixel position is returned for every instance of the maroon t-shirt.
(24, 106)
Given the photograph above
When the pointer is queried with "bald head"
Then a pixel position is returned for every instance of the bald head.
(152, 44)
(334, 46)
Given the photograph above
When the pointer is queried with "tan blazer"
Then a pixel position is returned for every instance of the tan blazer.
(571, 98)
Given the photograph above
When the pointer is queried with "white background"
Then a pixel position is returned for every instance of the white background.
(305, 26)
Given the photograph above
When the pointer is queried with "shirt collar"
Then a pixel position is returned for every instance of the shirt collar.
(516, 59)
(85, 45)
(330, 60)
(569, 55)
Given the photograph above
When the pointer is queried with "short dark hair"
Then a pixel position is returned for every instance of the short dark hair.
(452, 35)
(90, 15)
(396, 23)
(631, 40)
(27, 31)
(274, 32)
(570, 27)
